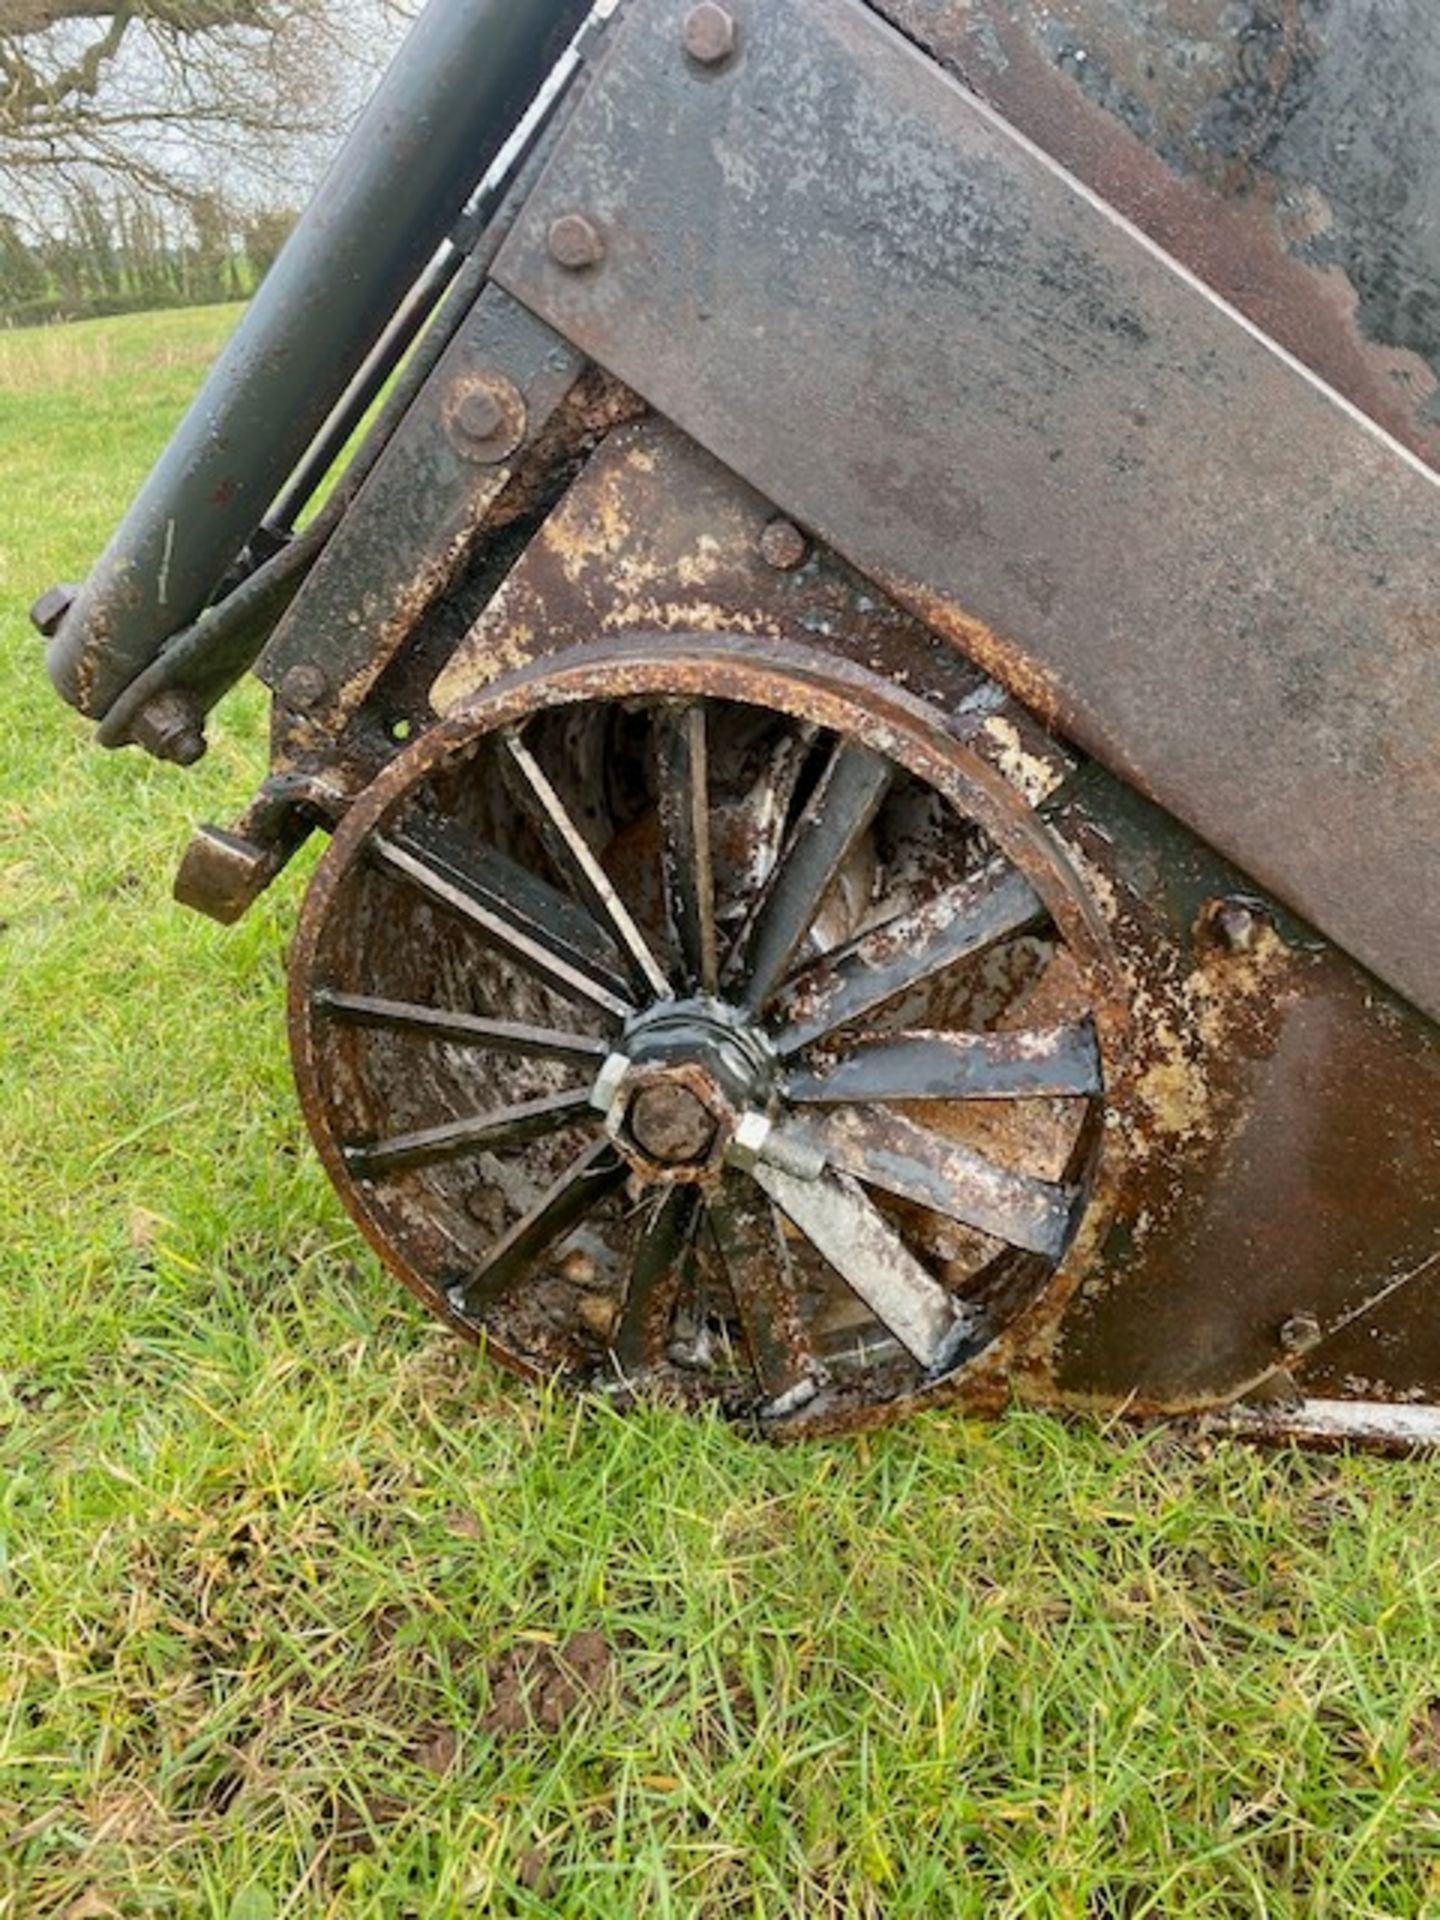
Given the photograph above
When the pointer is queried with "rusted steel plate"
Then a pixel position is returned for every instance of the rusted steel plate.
(885, 961)
(1281, 1206)
(875, 1262)
(1288, 155)
(1388, 1347)
(863, 290)
(889, 1151)
(422, 508)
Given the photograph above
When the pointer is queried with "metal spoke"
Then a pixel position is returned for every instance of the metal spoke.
(752, 1247)
(904, 951)
(1030, 1063)
(753, 825)
(462, 1029)
(885, 1150)
(507, 1127)
(598, 1171)
(531, 922)
(682, 785)
(575, 859)
(656, 1273)
(837, 813)
(849, 1232)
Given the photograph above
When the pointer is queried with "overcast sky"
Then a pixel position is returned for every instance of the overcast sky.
(149, 106)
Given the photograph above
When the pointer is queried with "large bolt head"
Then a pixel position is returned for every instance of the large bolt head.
(671, 1123)
(49, 611)
(710, 35)
(575, 242)
(170, 726)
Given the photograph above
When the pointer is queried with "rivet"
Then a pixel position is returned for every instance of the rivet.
(783, 545)
(575, 242)
(480, 414)
(304, 686)
(710, 34)
(486, 418)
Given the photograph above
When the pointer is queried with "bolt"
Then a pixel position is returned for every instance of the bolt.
(671, 1124)
(486, 418)
(783, 545)
(575, 243)
(50, 609)
(751, 1136)
(303, 687)
(1300, 1333)
(480, 415)
(1237, 927)
(170, 726)
(710, 35)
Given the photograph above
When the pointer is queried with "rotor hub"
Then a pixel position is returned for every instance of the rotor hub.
(672, 1122)
(708, 1033)
(681, 1082)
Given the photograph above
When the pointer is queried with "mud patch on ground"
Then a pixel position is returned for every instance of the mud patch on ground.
(536, 1688)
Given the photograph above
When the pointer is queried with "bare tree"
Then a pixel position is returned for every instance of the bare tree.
(175, 98)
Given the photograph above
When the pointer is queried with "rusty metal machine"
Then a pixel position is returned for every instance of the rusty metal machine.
(874, 685)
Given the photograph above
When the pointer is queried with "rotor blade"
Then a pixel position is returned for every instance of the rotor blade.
(752, 1247)
(463, 1029)
(575, 858)
(885, 1150)
(903, 951)
(656, 1272)
(506, 1127)
(598, 1171)
(1028, 1064)
(682, 785)
(850, 1233)
(837, 813)
(517, 913)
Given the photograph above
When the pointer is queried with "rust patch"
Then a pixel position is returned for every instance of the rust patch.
(1232, 228)
(658, 538)
(1031, 683)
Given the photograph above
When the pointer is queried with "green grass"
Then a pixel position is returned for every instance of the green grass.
(275, 1550)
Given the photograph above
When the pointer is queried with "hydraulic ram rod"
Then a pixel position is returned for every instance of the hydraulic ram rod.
(459, 84)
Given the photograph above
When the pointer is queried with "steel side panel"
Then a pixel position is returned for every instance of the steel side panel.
(883, 307)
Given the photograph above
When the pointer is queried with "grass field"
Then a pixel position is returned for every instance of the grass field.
(281, 1563)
